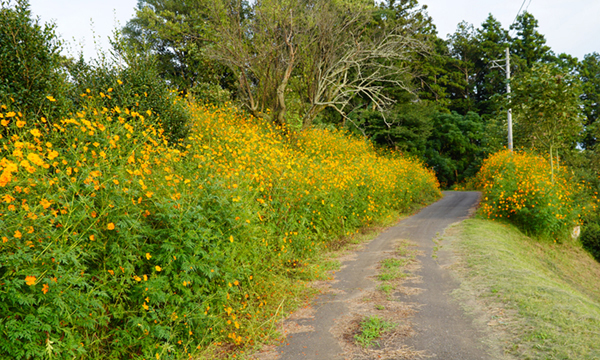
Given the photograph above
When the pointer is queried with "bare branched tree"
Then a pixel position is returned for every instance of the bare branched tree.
(332, 51)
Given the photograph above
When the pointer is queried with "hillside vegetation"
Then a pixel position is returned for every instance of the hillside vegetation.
(119, 244)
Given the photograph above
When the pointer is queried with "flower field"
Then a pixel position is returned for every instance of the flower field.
(517, 187)
(118, 244)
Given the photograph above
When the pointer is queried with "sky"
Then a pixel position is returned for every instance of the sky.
(570, 26)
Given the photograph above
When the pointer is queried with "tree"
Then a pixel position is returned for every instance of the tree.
(464, 51)
(589, 72)
(455, 148)
(490, 81)
(177, 33)
(332, 51)
(547, 111)
(529, 45)
(30, 64)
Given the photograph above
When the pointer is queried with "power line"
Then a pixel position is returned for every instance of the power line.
(518, 12)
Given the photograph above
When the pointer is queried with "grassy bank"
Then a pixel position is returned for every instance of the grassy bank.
(117, 243)
(535, 299)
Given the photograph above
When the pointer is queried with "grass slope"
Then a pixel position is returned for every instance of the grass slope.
(541, 300)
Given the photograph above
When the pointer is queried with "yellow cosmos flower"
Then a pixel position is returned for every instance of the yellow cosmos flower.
(30, 280)
(158, 268)
(50, 98)
(110, 226)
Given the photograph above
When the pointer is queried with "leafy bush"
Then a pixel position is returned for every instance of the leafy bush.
(129, 80)
(517, 186)
(590, 239)
(30, 64)
(114, 244)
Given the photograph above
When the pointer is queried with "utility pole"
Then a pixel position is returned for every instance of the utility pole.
(495, 64)
(509, 111)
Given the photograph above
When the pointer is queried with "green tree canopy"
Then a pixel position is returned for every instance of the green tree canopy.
(547, 109)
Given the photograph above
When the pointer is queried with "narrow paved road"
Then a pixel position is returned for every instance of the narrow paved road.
(441, 328)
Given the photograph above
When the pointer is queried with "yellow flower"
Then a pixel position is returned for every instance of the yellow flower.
(158, 268)
(52, 154)
(231, 238)
(4, 122)
(50, 98)
(30, 280)
(145, 307)
(137, 278)
(18, 234)
(110, 226)
(148, 256)
(20, 123)
(92, 237)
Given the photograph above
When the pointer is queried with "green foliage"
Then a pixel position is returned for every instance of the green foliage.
(529, 45)
(589, 71)
(30, 64)
(590, 239)
(547, 109)
(371, 329)
(405, 127)
(454, 149)
(177, 32)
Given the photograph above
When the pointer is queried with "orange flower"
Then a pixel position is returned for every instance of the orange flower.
(30, 280)
(45, 288)
(18, 234)
(45, 203)
(110, 226)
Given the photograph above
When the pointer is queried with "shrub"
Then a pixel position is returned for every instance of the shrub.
(590, 239)
(30, 64)
(516, 186)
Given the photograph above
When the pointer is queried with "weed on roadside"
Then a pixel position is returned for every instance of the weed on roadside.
(371, 328)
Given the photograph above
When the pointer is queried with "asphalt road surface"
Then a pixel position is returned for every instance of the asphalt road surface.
(441, 328)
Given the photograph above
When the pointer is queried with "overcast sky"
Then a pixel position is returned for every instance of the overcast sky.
(570, 26)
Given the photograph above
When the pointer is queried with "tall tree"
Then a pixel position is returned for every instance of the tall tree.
(327, 48)
(547, 109)
(176, 32)
(529, 44)
(464, 51)
(492, 41)
(589, 71)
